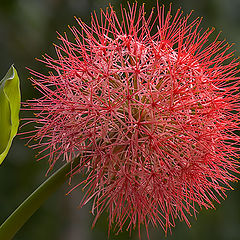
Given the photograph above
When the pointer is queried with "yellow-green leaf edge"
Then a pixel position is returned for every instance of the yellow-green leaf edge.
(10, 101)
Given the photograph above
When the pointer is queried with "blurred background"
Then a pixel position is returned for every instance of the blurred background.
(27, 30)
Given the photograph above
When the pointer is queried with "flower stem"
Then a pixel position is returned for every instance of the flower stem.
(20, 216)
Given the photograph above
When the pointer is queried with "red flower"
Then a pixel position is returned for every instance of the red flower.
(152, 109)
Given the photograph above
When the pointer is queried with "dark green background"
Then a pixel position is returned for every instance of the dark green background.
(27, 30)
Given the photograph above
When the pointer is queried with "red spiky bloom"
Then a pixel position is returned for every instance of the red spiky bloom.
(152, 109)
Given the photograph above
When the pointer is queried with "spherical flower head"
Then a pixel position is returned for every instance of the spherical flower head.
(152, 110)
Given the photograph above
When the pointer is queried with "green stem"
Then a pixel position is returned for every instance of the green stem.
(20, 216)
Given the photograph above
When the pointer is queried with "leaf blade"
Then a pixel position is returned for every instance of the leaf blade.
(10, 99)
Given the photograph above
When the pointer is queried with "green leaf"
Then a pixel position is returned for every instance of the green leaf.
(9, 110)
